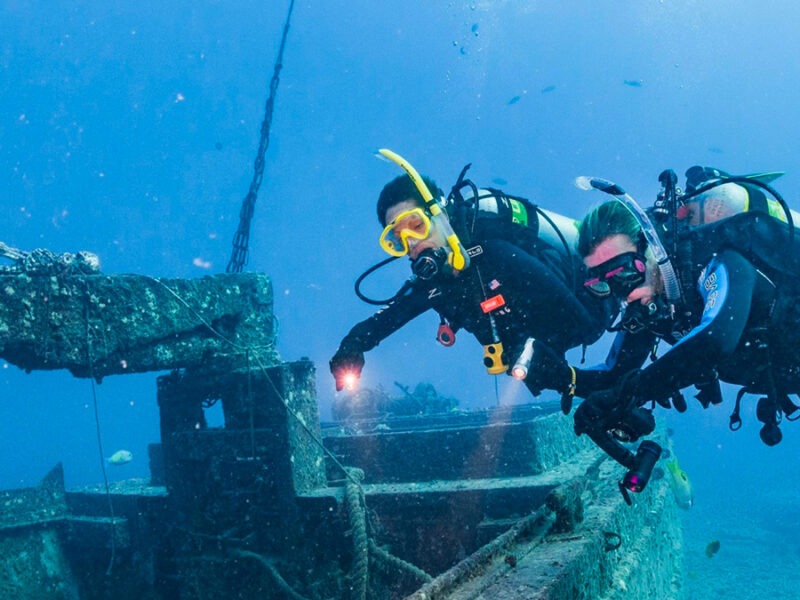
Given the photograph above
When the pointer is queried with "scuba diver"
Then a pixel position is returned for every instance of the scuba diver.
(495, 265)
(725, 297)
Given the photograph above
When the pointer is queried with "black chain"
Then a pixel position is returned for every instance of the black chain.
(241, 240)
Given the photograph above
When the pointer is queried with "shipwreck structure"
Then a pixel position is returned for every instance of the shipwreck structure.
(503, 503)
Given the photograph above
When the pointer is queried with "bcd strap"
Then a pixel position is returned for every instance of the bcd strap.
(789, 408)
(736, 420)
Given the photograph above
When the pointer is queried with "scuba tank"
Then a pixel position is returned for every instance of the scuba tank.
(507, 211)
(487, 213)
(725, 211)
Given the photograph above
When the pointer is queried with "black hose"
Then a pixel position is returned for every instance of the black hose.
(369, 272)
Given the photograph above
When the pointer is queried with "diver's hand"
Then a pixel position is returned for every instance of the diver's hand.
(548, 370)
(596, 412)
(346, 368)
(602, 409)
(708, 392)
(616, 411)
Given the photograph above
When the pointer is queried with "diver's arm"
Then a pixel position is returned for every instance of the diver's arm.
(348, 361)
(367, 334)
(628, 351)
(727, 289)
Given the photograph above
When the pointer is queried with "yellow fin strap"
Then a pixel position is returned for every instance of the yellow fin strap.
(568, 396)
(574, 382)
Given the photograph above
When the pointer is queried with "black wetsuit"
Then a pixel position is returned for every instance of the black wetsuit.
(744, 328)
(539, 300)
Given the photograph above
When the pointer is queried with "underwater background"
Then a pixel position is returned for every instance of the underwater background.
(129, 129)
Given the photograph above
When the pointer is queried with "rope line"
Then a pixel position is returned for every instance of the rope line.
(256, 358)
(273, 572)
(391, 563)
(363, 545)
(356, 514)
(99, 436)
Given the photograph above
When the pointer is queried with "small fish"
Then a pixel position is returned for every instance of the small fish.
(712, 548)
(499, 181)
(547, 89)
(633, 82)
(203, 264)
(120, 457)
(716, 150)
(680, 484)
(514, 100)
(474, 28)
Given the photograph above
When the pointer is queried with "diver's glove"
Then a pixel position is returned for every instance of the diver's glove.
(708, 392)
(346, 367)
(595, 413)
(609, 409)
(548, 370)
(593, 416)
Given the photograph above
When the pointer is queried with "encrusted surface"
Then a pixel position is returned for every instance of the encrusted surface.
(97, 325)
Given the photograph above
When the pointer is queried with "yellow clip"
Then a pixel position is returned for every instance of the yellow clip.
(493, 359)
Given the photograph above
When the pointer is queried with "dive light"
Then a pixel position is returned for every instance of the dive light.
(350, 381)
(645, 460)
(520, 369)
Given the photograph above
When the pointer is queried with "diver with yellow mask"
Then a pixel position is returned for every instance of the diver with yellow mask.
(492, 264)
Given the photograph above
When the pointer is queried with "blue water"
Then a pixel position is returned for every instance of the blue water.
(129, 130)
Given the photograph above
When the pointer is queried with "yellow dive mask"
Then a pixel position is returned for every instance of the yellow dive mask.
(414, 224)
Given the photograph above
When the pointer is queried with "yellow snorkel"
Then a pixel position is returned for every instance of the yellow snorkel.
(458, 258)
